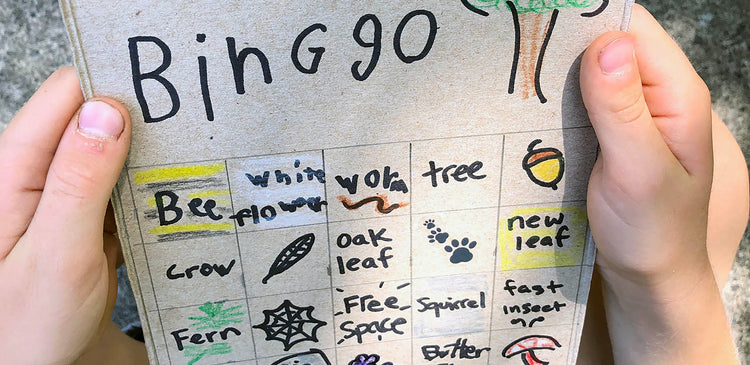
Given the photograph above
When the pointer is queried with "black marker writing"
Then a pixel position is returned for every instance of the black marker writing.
(284, 178)
(315, 204)
(197, 207)
(527, 308)
(460, 349)
(368, 303)
(376, 45)
(379, 327)
(451, 304)
(430, 37)
(372, 179)
(204, 269)
(139, 76)
(344, 240)
(356, 263)
(203, 71)
(201, 338)
(237, 59)
(316, 51)
(534, 222)
(238, 64)
(512, 288)
(460, 173)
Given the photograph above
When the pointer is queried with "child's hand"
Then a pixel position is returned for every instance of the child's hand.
(59, 161)
(649, 190)
(648, 198)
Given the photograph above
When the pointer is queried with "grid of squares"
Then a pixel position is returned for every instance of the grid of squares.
(448, 250)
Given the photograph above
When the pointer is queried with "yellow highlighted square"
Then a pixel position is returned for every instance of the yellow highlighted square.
(533, 238)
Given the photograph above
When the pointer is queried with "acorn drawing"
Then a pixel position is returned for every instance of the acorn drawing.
(545, 166)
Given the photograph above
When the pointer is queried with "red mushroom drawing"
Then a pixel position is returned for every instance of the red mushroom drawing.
(525, 346)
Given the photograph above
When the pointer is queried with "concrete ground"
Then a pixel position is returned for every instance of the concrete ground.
(713, 33)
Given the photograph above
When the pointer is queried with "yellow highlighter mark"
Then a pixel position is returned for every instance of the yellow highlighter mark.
(200, 227)
(162, 174)
(543, 237)
(208, 194)
(223, 202)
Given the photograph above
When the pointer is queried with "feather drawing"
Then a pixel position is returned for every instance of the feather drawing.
(290, 255)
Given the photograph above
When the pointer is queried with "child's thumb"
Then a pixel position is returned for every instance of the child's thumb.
(83, 172)
(613, 95)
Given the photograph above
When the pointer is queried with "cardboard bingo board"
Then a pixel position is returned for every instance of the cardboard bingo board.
(351, 182)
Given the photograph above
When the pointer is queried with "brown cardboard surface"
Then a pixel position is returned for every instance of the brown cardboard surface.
(342, 182)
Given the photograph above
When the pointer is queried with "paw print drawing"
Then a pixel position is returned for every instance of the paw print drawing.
(436, 234)
(461, 251)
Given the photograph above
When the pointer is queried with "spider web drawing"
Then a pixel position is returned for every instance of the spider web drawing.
(290, 324)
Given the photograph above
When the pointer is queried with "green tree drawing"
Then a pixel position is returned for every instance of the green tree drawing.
(534, 22)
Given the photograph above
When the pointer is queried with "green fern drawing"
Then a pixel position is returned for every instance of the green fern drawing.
(216, 316)
(197, 352)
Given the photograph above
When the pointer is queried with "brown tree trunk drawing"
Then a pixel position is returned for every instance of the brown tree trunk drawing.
(533, 23)
(531, 42)
(533, 32)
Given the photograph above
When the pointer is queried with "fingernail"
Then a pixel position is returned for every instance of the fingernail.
(617, 57)
(98, 119)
